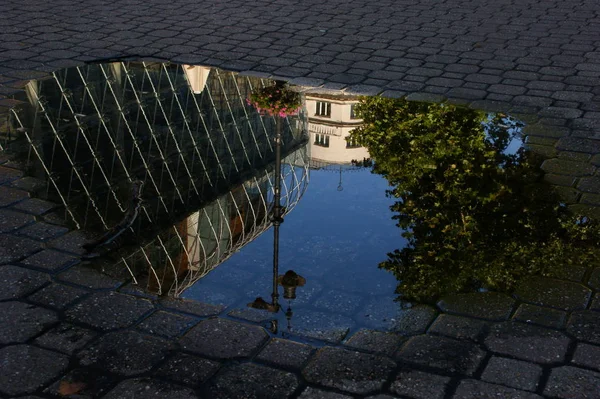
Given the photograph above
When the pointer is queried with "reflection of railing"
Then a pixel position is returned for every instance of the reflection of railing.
(93, 131)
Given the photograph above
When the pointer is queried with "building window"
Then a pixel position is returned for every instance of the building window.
(351, 143)
(352, 112)
(322, 140)
(323, 109)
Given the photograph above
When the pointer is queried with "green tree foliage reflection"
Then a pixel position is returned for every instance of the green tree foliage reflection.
(474, 214)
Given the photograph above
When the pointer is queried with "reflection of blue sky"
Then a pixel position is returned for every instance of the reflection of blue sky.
(335, 239)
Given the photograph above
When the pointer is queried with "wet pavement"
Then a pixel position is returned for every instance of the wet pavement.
(68, 330)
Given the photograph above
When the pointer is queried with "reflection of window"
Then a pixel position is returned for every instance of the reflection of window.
(352, 114)
(351, 143)
(322, 140)
(323, 109)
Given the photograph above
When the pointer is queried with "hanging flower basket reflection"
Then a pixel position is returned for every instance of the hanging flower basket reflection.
(276, 100)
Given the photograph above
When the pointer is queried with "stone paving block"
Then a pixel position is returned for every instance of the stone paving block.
(469, 389)
(88, 277)
(559, 294)
(14, 248)
(383, 343)
(595, 305)
(26, 368)
(11, 221)
(35, 206)
(224, 339)
(20, 321)
(324, 326)
(166, 324)
(584, 326)
(253, 315)
(587, 355)
(9, 174)
(594, 280)
(348, 371)
(512, 373)
(187, 369)
(285, 354)
(17, 282)
(72, 242)
(50, 260)
(546, 317)
(527, 342)
(566, 167)
(125, 352)
(486, 305)
(109, 310)
(57, 296)
(42, 231)
(458, 327)
(9, 196)
(383, 313)
(149, 389)
(66, 338)
(571, 382)
(448, 355)
(82, 382)
(252, 381)
(314, 393)
(419, 385)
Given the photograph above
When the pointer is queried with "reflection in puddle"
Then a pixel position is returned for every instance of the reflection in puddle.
(176, 168)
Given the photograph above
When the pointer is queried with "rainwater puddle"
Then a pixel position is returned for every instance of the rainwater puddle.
(270, 200)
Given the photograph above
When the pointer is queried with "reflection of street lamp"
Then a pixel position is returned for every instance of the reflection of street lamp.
(340, 188)
(290, 280)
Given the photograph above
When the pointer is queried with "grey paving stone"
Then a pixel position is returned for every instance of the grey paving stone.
(42, 231)
(224, 339)
(125, 353)
(35, 206)
(587, 355)
(66, 338)
(57, 296)
(584, 326)
(9, 196)
(512, 373)
(565, 167)
(487, 305)
(324, 326)
(527, 342)
(559, 294)
(375, 341)
(72, 242)
(166, 324)
(383, 313)
(594, 280)
(314, 393)
(11, 221)
(191, 307)
(441, 353)
(14, 248)
(285, 354)
(50, 260)
(9, 174)
(147, 388)
(458, 327)
(26, 368)
(82, 382)
(571, 382)
(419, 385)
(20, 321)
(88, 277)
(469, 389)
(348, 371)
(252, 381)
(109, 310)
(17, 282)
(187, 369)
(539, 315)
(253, 315)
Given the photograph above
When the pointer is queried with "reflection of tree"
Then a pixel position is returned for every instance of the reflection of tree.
(474, 214)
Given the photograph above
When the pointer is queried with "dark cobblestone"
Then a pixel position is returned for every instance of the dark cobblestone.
(14, 248)
(584, 326)
(419, 385)
(66, 338)
(512, 373)
(348, 371)
(42, 231)
(587, 355)
(445, 354)
(168, 325)
(554, 293)
(469, 389)
(57, 296)
(539, 315)
(252, 382)
(313, 393)
(489, 305)
(187, 369)
(109, 310)
(528, 342)
(458, 327)
(149, 389)
(11, 221)
(375, 341)
(285, 354)
(125, 352)
(26, 368)
(21, 321)
(571, 382)
(224, 339)
(87, 277)
(17, 282)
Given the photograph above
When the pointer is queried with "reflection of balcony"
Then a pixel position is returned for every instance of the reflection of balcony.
(187, 134)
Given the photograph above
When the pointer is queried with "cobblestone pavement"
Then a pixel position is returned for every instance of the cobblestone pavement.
(67, 331)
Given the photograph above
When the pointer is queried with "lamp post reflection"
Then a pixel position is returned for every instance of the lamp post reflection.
(290, 280)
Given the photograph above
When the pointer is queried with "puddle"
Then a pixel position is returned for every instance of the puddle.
(265, 198)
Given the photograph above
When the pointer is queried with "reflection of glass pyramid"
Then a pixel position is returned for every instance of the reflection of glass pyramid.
(186, 133)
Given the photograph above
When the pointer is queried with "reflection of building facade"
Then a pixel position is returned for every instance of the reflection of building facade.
(331, 119)
(185, 132)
